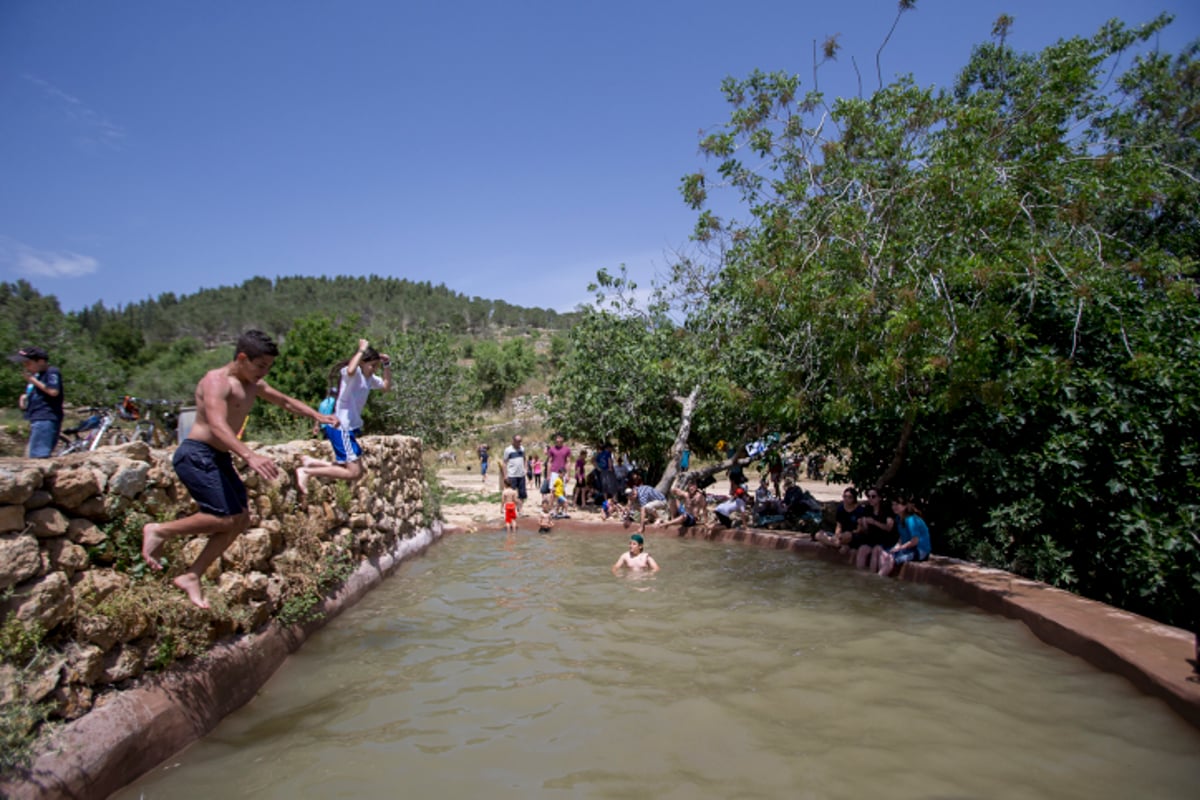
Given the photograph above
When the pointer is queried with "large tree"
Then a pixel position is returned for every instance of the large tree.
(986, 294)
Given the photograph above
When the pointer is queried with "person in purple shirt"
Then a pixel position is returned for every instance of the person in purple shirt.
(558, 455)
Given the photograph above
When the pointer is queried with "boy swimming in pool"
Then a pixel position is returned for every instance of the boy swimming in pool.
(637, 558)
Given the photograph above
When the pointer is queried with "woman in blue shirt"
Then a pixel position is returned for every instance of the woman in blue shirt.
(914, 537)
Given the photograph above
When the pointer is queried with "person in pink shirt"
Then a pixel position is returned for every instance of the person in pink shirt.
(558, 455)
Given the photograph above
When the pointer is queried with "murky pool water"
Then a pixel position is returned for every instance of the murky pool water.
(519, 667)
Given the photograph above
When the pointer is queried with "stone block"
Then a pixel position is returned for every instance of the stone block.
(122, 663)
(95, 585)
(86, 533)
(46, 600)
(63, 554)
(84, 663)
(18, 484)
(250, 551)
(130, 478)
(39, 499)
(99, 630)
(20, 558)
(12, 518)
(94, 508)
(70, 487)
(234, 588)
(72, 701)
(47, 523)
(259, 585)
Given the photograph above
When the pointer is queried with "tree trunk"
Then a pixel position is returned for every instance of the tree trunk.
(681, 438)
(893, 469)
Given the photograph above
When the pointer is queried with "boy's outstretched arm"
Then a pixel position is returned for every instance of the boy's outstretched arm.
(292, 405)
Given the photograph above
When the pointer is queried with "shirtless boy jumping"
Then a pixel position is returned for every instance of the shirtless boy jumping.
(204, 462)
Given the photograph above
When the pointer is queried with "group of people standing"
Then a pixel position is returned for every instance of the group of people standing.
(518, 471)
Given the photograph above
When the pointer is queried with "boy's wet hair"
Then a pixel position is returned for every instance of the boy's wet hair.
(255, 343)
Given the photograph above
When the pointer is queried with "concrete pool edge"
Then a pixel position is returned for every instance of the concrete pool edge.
(141, 727)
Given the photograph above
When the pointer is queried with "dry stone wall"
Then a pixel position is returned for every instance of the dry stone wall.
(74, 591)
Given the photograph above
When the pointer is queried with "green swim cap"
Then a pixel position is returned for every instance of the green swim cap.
(637, 537)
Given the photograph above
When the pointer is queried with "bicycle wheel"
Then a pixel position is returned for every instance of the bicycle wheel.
(117, 436)
(66, 446)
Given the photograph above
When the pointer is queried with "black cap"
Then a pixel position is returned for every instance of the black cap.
(31, 354)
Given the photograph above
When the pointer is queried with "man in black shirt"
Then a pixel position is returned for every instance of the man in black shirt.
(42, 400)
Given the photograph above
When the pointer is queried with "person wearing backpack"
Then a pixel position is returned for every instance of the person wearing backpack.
(356, 377)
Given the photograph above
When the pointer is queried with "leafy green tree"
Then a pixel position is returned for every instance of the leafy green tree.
(636, 378)
(431, 395)
(314, 344)
(988, 295)
(500, 369)
(121, 340)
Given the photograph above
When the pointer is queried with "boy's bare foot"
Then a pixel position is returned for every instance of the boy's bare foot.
(152, 543)
(191, 586)
(302, 481)
(309, 461)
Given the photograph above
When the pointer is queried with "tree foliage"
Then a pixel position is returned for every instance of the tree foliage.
(431, 397)
(500, 368)
(987, 294)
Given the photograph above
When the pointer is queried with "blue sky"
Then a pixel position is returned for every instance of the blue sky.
(149, 146)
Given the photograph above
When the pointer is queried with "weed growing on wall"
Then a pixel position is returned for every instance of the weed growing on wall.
(303, 604)
(122, 549)
(22, 655)
(343, 495)
(432, 497)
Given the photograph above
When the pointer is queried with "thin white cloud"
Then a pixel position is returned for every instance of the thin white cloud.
(95, 128)
(25, 260)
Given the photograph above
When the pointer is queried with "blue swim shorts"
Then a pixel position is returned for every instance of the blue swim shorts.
(345, 444)
(210, 478)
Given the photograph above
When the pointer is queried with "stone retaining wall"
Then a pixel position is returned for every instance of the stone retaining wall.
(69, 541)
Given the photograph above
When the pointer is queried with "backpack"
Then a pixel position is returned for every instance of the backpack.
(327, 406)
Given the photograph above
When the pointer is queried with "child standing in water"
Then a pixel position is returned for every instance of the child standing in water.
(356, 377)
(546, 523)
(204, 462)
(508, 501)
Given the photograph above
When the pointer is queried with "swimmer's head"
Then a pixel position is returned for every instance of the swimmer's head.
(638, 540)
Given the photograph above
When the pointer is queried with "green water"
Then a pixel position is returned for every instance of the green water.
(519, 667)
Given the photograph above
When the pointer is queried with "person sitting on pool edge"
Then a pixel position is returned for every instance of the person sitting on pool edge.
(914, 537)
(637, 558)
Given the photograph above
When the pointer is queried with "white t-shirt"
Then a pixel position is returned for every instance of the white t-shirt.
(352, 396)
(731, 507)
(514, 459)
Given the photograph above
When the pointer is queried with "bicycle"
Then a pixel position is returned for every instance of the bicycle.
(147, 427)
(97, 429)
